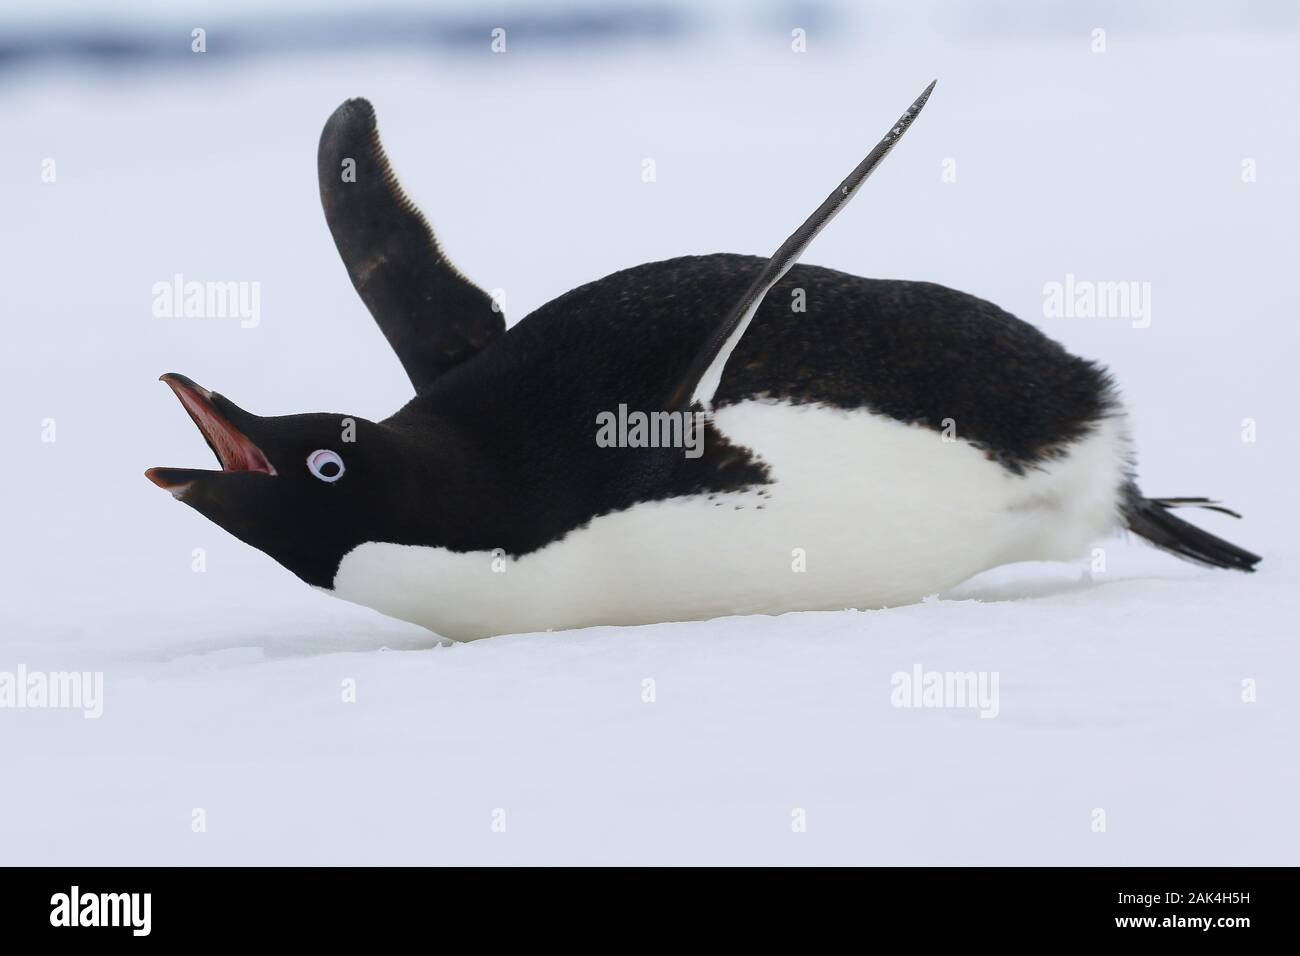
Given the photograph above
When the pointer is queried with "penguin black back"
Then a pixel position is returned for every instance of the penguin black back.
(913, 351)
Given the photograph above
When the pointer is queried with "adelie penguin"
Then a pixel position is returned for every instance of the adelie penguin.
(885, 443)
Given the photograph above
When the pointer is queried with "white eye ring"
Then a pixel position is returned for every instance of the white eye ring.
(325, 465)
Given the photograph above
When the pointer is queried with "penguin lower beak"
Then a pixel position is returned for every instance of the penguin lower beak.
(212, 414)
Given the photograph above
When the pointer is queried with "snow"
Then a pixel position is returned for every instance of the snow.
(1120, 689)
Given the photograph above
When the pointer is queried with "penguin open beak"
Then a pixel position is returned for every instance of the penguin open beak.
(213, 415)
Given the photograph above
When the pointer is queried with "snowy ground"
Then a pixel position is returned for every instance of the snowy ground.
(1120, 690)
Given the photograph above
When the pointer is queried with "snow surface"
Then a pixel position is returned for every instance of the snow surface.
(1120, 690)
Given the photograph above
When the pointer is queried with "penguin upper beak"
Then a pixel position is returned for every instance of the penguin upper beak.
(212, 414)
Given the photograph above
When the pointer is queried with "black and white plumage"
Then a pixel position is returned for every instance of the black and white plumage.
(879, 442)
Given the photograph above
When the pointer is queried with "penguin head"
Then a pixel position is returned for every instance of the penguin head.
(305, 489)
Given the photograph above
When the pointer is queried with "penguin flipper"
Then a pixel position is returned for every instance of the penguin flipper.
(702, 378)
(433, 317)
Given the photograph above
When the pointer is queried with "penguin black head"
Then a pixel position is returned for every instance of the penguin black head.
(307, 489)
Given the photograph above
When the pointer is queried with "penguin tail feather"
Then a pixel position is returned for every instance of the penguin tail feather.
(1152, 519)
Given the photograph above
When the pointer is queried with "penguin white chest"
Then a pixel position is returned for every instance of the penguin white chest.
(863, 511)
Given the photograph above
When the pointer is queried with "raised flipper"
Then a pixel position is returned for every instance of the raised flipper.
(433, 317)
(701, 380)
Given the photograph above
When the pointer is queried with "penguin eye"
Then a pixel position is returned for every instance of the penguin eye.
(325, 465)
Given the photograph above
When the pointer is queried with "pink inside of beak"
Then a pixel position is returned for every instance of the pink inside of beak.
(233, 449)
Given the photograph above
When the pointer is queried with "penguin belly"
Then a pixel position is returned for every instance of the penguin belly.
(862, 511)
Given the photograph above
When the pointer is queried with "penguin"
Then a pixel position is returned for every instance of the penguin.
(675, 441)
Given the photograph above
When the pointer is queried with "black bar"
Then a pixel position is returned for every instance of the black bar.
(331, 906)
